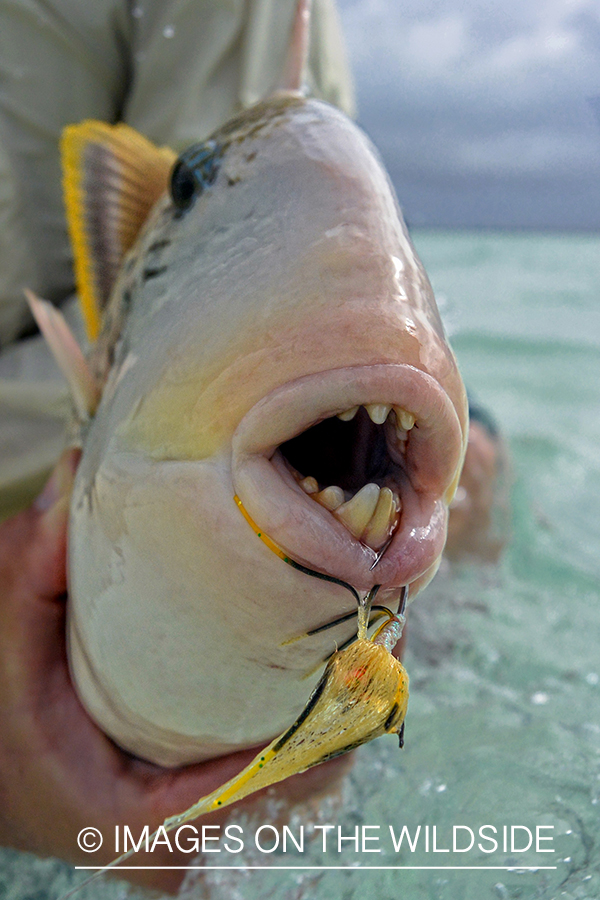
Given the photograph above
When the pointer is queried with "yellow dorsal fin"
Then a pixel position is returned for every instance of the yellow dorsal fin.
(112, 177)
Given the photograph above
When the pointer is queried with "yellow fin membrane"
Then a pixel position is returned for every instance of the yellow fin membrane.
(112, 177)
(362, 694)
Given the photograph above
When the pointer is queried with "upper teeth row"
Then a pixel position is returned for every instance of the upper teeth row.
(378, 413)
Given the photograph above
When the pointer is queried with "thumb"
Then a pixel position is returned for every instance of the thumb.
(47, 550)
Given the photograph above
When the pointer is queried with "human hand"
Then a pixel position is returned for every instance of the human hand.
(480, 513)
(58, 772)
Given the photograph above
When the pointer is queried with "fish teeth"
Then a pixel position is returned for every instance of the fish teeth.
(356, 513)
(331, 497)
(383, 520)
(348, 414)
(371, 515)
(404, 419)
(378, 412)
(310, 485)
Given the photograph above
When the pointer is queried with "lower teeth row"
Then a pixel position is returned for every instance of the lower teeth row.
(371, 515)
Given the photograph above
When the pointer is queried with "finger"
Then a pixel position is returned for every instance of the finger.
(47, 552)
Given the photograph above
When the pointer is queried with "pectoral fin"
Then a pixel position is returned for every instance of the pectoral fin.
(112, 177)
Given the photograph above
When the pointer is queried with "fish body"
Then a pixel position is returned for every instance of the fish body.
(285, 293)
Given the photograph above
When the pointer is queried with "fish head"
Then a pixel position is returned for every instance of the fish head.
(285, 293)
(276, 337)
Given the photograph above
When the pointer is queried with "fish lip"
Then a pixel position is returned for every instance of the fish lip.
(307, 532)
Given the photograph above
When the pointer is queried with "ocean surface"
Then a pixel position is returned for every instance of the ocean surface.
(503, 728)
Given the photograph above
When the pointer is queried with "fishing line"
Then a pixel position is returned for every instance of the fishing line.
(292, 562)
(377, 611)
(365, 604)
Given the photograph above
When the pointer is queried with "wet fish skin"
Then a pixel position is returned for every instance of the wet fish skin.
(288, 291)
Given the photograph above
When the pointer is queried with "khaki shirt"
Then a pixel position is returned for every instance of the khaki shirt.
(173, 69)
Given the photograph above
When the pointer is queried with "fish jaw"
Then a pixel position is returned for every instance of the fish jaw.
(430, 464)
(179, 624)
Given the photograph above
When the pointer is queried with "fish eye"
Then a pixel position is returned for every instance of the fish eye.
(195, 170)
(183, 185)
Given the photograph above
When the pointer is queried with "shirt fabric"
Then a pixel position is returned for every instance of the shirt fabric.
(174, 70)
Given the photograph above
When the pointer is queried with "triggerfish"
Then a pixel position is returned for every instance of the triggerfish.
(268, 371)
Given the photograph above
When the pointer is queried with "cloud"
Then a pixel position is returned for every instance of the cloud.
(435, 45)
(468, 88)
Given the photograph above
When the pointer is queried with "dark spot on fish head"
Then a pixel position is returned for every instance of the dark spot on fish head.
(153, 272)
(159, 245)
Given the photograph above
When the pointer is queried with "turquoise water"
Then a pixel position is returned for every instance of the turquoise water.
(504, 718)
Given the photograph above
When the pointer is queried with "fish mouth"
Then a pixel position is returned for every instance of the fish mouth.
(350, 471)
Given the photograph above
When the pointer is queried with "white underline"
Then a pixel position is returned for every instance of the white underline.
(337, 868)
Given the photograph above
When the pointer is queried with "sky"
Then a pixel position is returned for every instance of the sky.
(485, 114)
